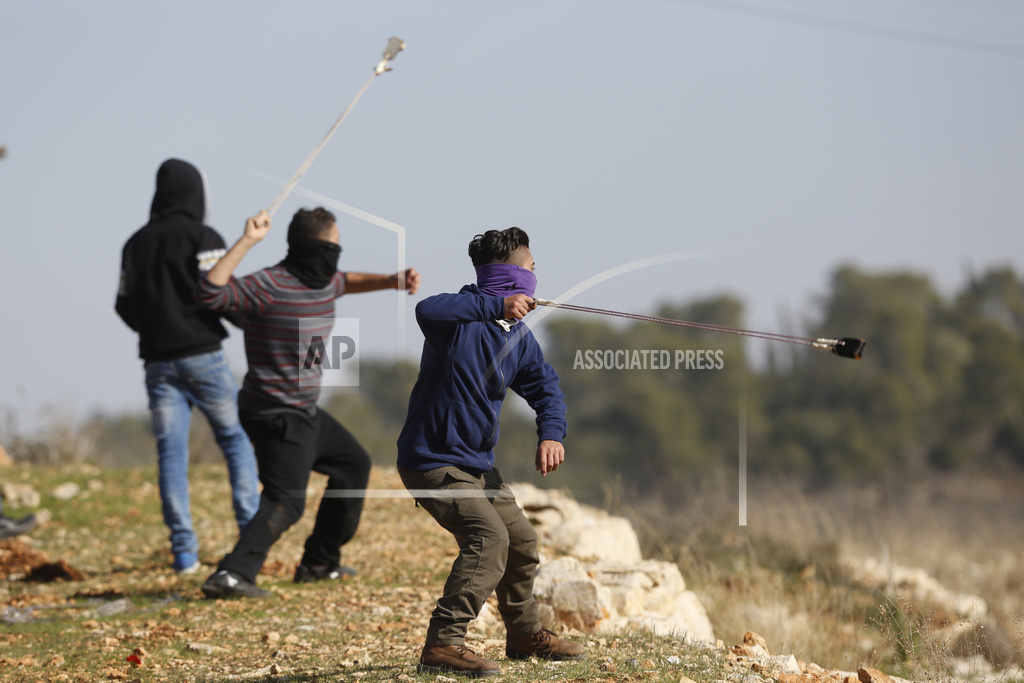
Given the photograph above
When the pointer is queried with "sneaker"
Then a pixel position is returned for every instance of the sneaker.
(455, 659)
(225, 584)
(543, 644)
(185, 563)
(10, 528)
(305, 573)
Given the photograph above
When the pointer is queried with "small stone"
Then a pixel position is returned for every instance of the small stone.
(66, 491)
(201, 648)
(291, 639)
(271, 670)
(795, 678)
(673, 660)
(784, 664)
(750, 638)
(270, 637)
(869, 675)
(24, 495)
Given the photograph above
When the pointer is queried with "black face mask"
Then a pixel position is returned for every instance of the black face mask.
(314, 262)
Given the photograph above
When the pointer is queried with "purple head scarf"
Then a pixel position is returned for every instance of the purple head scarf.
(505, 279)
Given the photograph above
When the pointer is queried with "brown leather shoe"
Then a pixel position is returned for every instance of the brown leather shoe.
(543, 644)
(456, 659)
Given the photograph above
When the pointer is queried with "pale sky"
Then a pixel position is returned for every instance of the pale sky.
(788, 136)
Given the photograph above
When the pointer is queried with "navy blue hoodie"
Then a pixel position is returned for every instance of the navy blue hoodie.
(469, 362)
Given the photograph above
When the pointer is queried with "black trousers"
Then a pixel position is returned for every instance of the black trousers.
(290, 445)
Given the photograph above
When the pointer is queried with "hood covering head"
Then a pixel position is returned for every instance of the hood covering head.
(181, 190)
(505, 279)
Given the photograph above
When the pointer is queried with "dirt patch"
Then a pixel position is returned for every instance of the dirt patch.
(54, 571)
(278, 569)
(20, 561)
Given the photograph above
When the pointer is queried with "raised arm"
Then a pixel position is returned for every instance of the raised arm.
(443, 310)
(256, 228)
(221, 292)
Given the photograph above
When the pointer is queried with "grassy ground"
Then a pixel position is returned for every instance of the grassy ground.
(786, 574)
(131, 618)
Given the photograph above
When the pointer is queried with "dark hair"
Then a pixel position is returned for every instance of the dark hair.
(499, 246)
(310, 225)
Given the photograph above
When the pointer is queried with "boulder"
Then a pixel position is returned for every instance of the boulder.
(593, 577)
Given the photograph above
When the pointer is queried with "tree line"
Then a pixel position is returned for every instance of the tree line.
(940, 387)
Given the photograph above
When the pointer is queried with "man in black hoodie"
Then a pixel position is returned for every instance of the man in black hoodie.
(180, 343)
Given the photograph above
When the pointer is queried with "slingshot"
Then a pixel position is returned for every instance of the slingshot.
(395, 45)
(845, 347)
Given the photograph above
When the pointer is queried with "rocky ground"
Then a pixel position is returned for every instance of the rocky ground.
(90, 596)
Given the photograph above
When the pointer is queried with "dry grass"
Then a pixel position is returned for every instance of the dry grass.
(784, 575)
(160, 628)
(781, 576)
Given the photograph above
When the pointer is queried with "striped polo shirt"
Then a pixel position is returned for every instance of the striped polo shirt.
(272, 303)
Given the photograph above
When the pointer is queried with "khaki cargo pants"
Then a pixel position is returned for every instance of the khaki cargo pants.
(497, 550)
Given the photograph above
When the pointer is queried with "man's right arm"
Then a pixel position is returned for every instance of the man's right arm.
(210, 250)
(218, 290)
(445, 310)
(256, 228)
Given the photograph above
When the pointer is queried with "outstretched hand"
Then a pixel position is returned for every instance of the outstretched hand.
(518, 305)
(411, 280)
(550, 454)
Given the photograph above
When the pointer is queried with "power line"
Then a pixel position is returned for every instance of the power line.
(863, 26)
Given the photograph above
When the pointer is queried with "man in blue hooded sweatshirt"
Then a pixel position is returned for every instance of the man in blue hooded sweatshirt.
(475, 349)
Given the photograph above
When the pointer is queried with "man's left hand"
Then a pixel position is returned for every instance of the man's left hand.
(550, 454)
(412, 280)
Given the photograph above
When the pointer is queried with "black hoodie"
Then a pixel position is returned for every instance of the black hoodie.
(160, 267)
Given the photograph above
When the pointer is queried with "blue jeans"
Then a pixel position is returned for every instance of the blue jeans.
(204, 381)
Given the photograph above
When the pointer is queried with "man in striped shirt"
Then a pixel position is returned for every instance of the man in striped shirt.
(278, 401)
